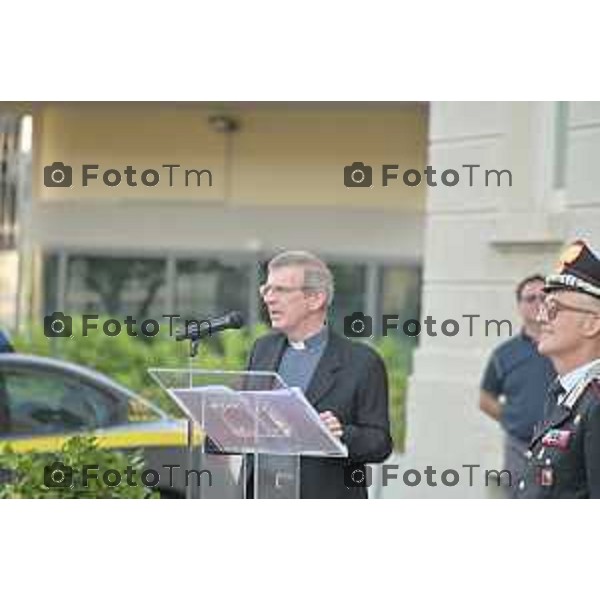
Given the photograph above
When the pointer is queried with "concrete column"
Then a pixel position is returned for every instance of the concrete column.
(480, 240)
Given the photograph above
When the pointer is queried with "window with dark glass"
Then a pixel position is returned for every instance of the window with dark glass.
(210, 287)
(350, 293)
(116, 286)
(400, 294)
(40, 402)
(50, 283)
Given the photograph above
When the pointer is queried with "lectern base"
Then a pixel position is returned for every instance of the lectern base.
(276, 476)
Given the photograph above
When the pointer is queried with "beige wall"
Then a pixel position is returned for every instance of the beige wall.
(285, 155)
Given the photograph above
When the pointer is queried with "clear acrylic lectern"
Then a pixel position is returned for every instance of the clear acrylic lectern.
(247, 413)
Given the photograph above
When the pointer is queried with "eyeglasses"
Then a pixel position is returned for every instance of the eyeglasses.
(531, 298)
(550, 308)
(267, 288)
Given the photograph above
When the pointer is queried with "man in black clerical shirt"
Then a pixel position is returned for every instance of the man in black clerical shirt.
(345, 381)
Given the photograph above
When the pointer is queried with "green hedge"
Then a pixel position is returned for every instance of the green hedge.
(127, 360)
(59, 475)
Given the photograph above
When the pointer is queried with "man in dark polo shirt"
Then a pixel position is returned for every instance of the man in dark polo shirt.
(514, 388)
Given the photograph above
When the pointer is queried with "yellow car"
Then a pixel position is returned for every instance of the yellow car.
(44, 402)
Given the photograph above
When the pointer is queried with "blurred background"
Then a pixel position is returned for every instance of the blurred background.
(278, 183)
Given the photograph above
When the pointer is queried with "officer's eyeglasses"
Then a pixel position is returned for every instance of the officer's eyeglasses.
(550, 308)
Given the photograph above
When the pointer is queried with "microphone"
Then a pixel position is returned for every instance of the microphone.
(196, 330)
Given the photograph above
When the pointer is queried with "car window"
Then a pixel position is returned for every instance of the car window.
(140, 410)
(44, 402)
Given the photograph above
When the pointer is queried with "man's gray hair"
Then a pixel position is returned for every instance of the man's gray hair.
(317, 275)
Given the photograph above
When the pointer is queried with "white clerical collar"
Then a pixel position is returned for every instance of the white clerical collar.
(571, 379)
(313, 343)
(298, 345)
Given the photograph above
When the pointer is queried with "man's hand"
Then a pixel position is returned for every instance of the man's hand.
(490, 405)
(332, 423)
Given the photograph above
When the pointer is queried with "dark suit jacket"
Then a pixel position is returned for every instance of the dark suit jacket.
(351, 381)
(571, 469)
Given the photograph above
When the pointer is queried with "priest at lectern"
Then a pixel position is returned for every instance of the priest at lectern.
(345, 381)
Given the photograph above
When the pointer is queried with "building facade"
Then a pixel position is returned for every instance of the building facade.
(480, 241)
(238, 183)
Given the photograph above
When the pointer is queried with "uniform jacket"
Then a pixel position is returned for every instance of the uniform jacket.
(564, 454)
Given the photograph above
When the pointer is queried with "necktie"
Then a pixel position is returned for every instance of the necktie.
(555, 394)
(556, 391)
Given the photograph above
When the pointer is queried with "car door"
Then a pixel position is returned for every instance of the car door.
(41, 404)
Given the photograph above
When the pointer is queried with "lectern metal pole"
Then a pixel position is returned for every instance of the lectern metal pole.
(189, 492)
(190, 449)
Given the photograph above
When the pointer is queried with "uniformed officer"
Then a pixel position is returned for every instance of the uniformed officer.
(564, 453)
